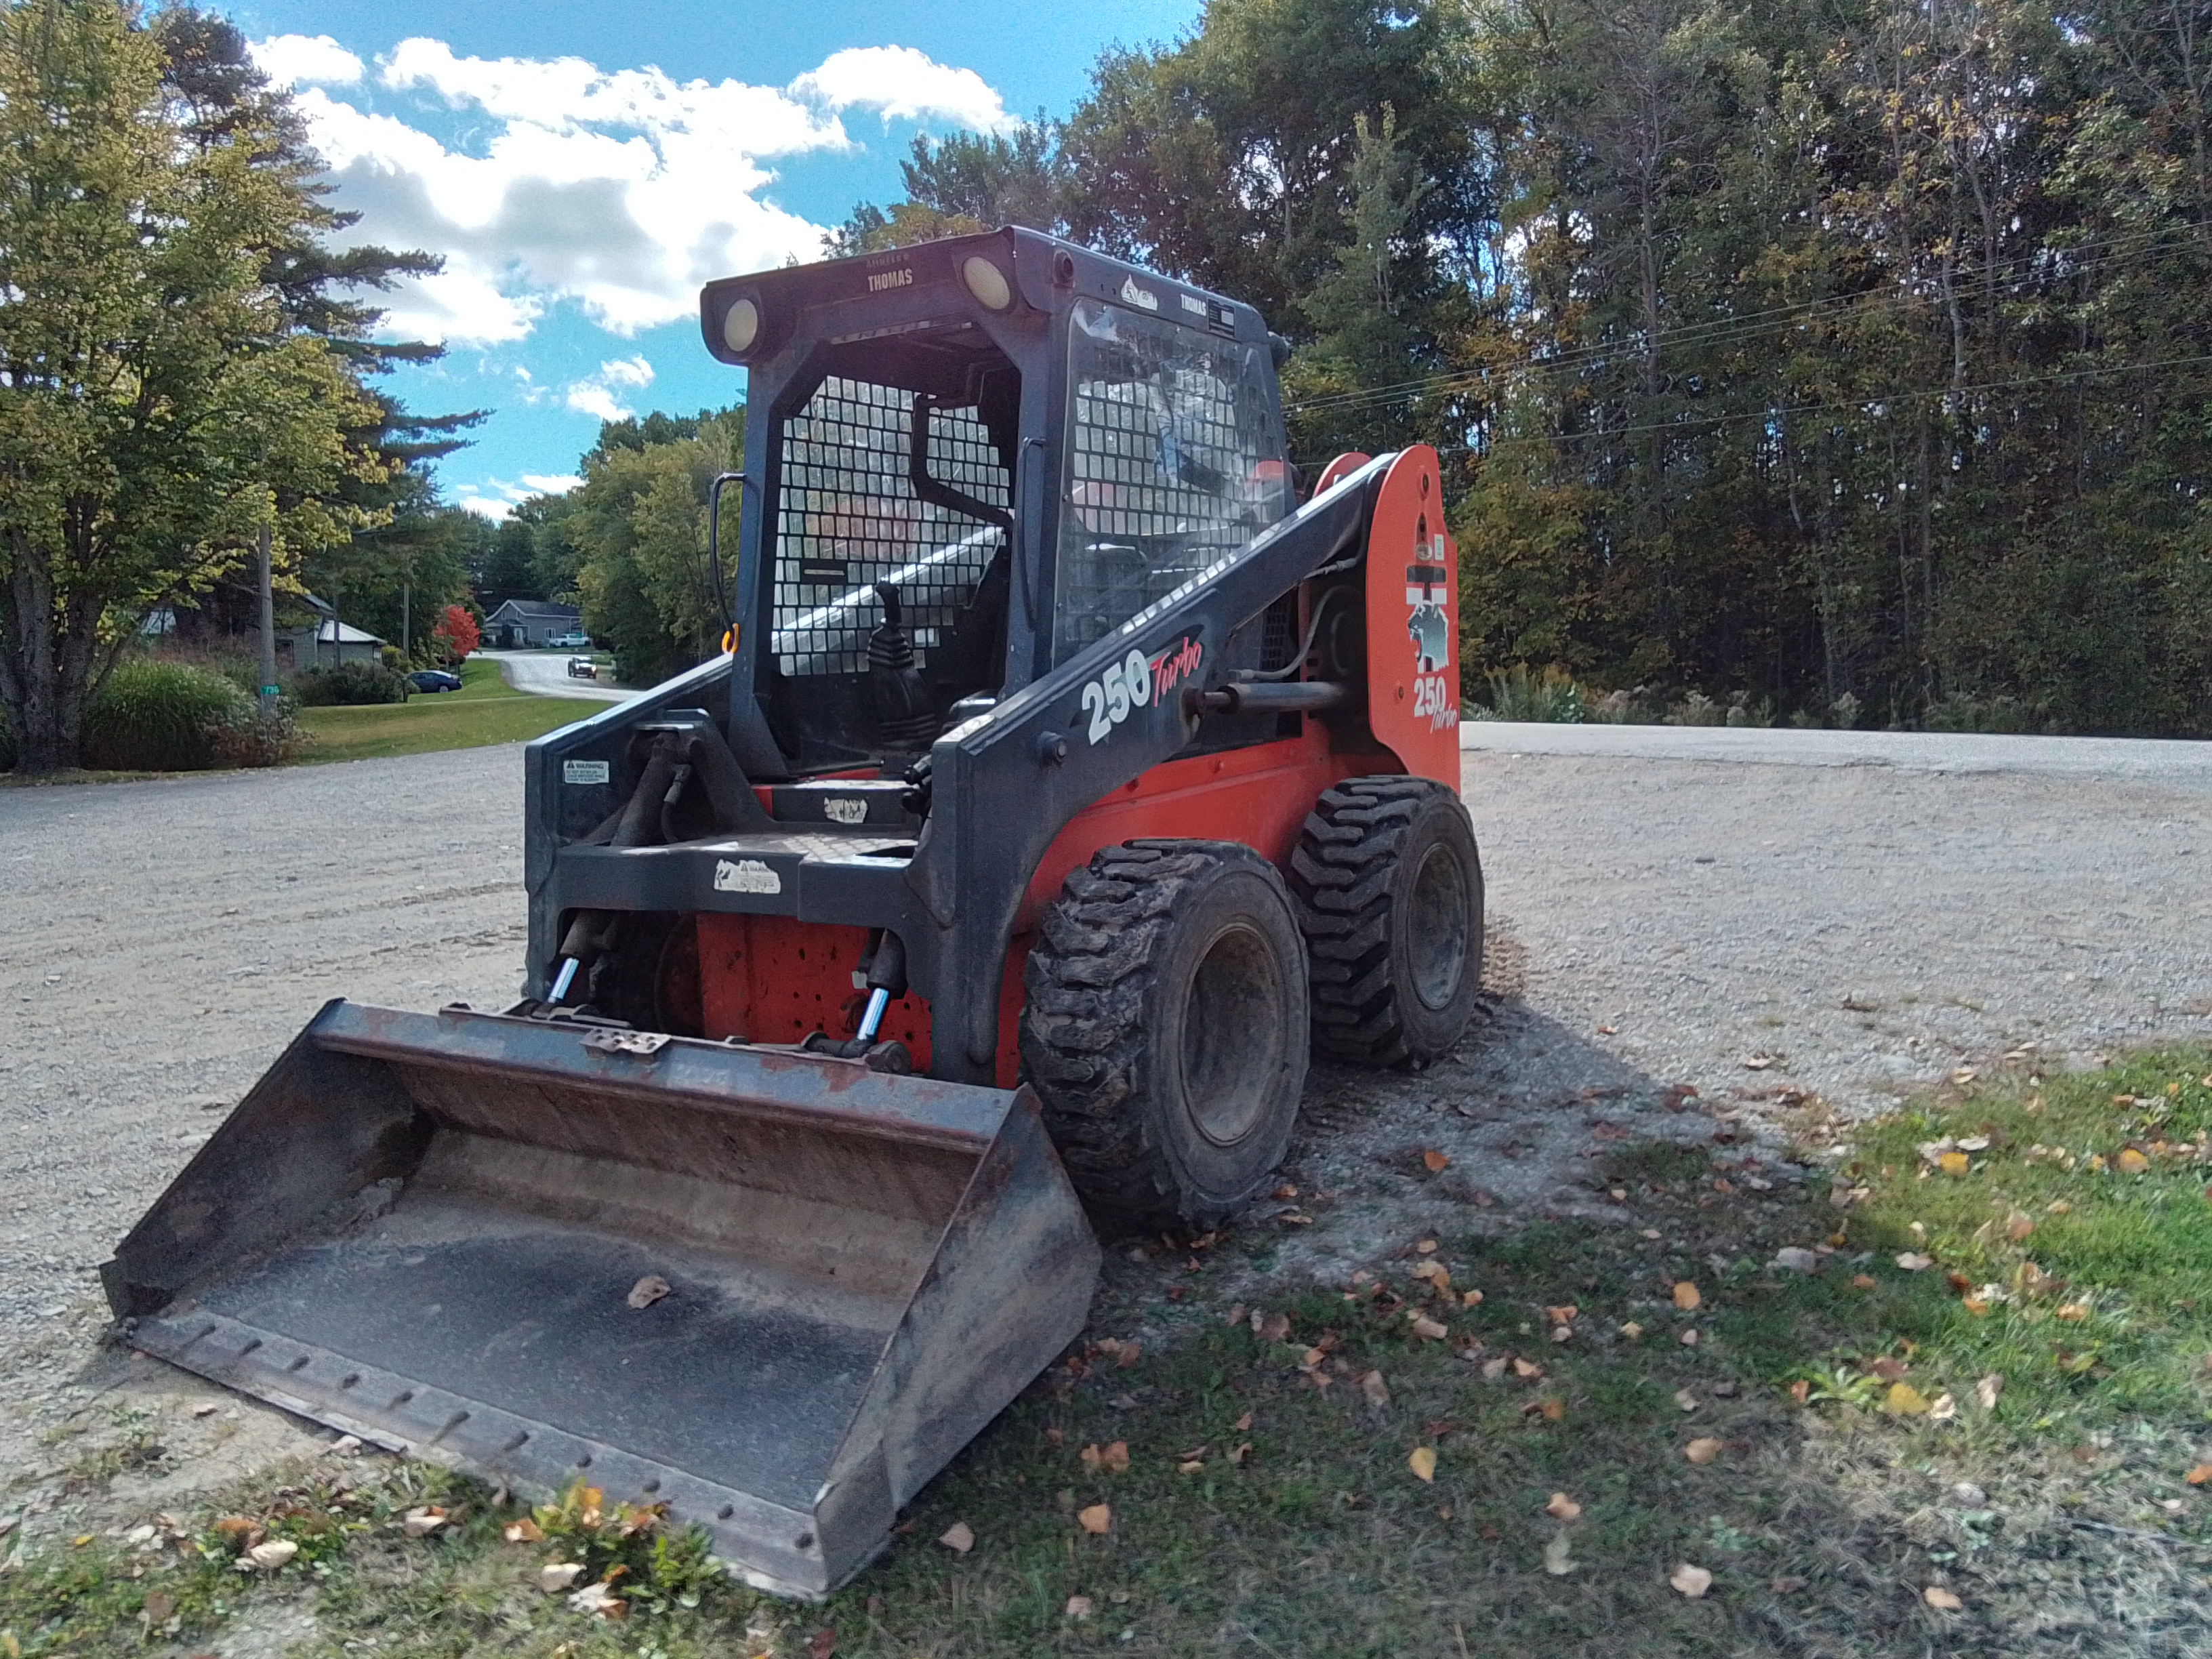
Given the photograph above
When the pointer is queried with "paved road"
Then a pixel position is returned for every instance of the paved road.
(545, 674)
(2180, 765)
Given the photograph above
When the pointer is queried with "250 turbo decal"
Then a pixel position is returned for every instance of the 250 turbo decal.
(1135, 682)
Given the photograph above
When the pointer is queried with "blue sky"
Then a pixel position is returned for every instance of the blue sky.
(583, 169)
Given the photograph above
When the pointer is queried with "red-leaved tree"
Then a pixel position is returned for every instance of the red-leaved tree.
(456, 633)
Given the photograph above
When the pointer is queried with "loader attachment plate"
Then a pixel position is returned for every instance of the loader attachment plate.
(434, 1231)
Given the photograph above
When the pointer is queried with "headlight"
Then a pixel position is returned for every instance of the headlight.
(741, 326)
(986, 283)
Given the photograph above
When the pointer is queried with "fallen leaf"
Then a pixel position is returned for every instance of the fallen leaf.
(1903, 1399)
(959, 1538)
(1688, 1339)
(1562, 1315)
(1117, 1457)
(1693, 1581)
(1936, 1597)
(1097, 1520)
(2019, 1225)
(1376, 1390)
(1129, 1354)
(1274, 1329)
(1079, 1609)
(1986, 1391)
(1686, 1400)
(1954, 1164)
(273, 1554)
(1685, 1295)
(1800, 1390)
(1914, 1261)
(1237, 1314)
(2130, 1162)
(1526, 1370)
(1092, 1459)
(525, 1531)
(1244, 1422)
(2060, 1207)
(1423, 1462)
(1754, 1063)
(2073, 1311)
(1563, 1507)
(823, 1645)
(1559, 1555)
(558, 1574)
(1887, 1368)
(1434, 1161)
(1974, 1305)
(648, 1291)
(1943, 1410)
(599, 1598)
(1469, 1298)
(1055, 1437)
(1422, 1326)
(1190, 1466)
(1862, 1281)
(1493, 1368)
(421, 1523)
(2199, 1475)
(1433, 1272)
(1702, 1450)
(1239, 1453)
(1633, 1331)
(1426, 1246)
(157, 1606)
(1786, 1583)
(1553, 1410)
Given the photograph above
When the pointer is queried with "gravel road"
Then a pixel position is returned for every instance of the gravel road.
(545, 674)
(1844, 930)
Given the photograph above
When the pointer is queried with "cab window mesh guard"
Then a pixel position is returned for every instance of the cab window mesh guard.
(848, 518)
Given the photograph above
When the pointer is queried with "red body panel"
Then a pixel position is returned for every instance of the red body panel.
(1412, 621)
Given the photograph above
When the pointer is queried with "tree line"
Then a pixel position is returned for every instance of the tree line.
(185, 360)
(1850, 360)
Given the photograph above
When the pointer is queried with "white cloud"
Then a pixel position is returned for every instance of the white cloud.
(596, 394)
(622, 191)
(495, 498)
(905, 85)
(299, 59)
(552, 483)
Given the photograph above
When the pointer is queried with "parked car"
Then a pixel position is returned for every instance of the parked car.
(434, 679)
(582, 668)
(571, 642)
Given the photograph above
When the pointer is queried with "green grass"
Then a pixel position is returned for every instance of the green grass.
(1823, 1515)
(485, 710)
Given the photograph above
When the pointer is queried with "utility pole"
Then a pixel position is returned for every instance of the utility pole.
(268, 625)
(406, 640)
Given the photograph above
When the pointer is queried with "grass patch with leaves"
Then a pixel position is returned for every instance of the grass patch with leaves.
(1538, 1443)
(485, 710)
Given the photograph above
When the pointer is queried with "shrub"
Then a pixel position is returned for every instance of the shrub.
(1551, 696)
(153, 716)
(349, 683)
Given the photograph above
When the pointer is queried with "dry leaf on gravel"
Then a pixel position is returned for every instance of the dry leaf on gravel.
(1563, 1507)
(1936, 1597)
(1434, 1161)
(1433, 1272)
(959, 1538)
(1702, 1450)
(1423, 1461)
(1693, 1581)
(1376, 1390)
(648, 1291)
(556, 1576)
(1097, 1520)
(1559, 1556)
(1685, 1295)
(271, 1555)
(1079, 1609)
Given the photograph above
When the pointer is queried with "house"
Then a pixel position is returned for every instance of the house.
(326, 642)
(519, 623)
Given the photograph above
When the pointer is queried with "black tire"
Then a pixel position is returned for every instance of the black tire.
(1165, 1029)
(1388, 887)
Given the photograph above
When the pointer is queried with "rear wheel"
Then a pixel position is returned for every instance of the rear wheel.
(1388, 887)
(1165, 1030)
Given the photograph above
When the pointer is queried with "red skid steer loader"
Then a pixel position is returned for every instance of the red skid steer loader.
(1063, 786)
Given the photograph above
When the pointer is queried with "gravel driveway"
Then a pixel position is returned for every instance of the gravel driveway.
(1850, 929)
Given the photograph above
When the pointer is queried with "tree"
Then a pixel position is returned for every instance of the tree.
(961, 185)
(157, 404)
(456, 634)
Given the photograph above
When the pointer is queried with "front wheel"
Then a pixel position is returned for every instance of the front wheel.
(1165, 1030)
(1389, 887)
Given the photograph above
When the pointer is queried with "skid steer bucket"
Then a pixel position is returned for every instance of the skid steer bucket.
(434, 1231)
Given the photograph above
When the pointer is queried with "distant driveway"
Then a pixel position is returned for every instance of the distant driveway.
(545, 674)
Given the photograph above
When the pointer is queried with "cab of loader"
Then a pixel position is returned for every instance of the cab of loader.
(966, 461)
